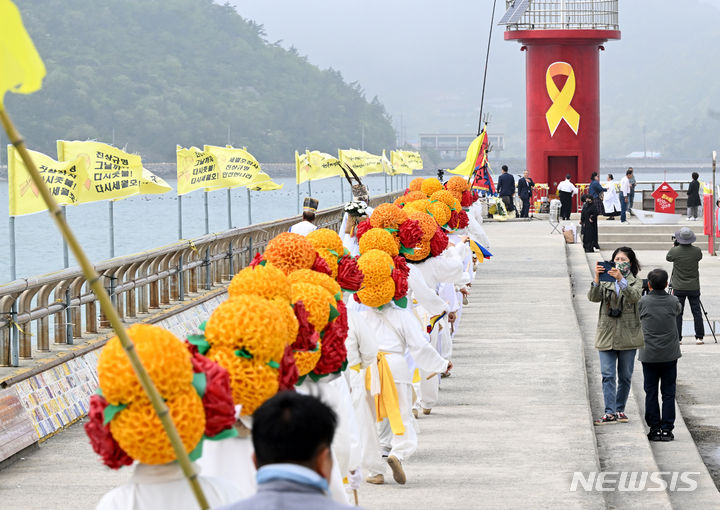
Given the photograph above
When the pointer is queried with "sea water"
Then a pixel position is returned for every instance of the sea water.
(150, 221)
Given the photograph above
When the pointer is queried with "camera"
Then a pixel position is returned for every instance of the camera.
(614, 312)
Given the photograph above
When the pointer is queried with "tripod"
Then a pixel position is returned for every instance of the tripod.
(712, 330)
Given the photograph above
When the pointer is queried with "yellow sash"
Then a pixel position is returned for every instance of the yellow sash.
(387, 404)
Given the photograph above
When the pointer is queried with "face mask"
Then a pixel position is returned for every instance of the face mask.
(624, 268)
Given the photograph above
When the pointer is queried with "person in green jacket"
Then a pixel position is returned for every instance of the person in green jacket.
(685, 280)
(619, 333)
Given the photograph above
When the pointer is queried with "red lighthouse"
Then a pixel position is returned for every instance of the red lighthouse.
(562, 40)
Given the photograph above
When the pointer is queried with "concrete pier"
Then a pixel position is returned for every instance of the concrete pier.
(514, 421)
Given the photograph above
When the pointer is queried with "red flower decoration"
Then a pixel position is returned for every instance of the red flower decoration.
(217, 400)
(410, 233)
(100, 437)
(467, 199)
(334, 352)
(362, 227)
(401, 283)
(438, 243)
(321, 266)
(454, 220)
(288, 373)
(349, 275)
(307, 336)
(464, 220)
(256, 260)
(401, 265)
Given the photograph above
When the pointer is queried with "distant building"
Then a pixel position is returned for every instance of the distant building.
(454, 146)
(642, 154)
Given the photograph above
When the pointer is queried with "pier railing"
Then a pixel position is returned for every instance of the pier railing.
(46, 313)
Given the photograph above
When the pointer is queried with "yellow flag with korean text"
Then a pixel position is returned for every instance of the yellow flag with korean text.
(111, 173)
(151, 184)
(62, 179)
(316, 165)
(196, 169)
(263, 182)
(405, 162)
(236, 167)
(21, 68)
(362, 162)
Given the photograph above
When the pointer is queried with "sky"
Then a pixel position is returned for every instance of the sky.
(424, 59)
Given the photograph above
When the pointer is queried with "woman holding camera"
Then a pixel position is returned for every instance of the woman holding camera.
(619, 334)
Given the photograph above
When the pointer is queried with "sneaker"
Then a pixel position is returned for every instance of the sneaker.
(606, 419)
(426, 411)
(415, 412)
(699, 341)
(621, 417)
(666, 435)
(397, 469)
(376, 479)
(655, 435)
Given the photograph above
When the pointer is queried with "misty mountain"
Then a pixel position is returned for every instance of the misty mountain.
(149, 75)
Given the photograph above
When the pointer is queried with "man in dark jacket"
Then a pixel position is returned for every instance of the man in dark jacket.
(292, 434)
(506, 188)
(525, 189)
(685, 280)
(693, 197)
(658, 312)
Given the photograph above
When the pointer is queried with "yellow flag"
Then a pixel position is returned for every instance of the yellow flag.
(263, 182)
(362, 162)
(196, 169)
(405, 162)
(387, 164)
(236, 167)
(62, 179)
(111, 173)
(21, 68)
(151, 184)
(468, 166)
(316, 165)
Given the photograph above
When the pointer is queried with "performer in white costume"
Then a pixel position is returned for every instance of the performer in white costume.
(307, 224)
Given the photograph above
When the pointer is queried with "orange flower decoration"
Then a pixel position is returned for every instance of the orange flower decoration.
(328, 239)
(139, 432)
(420, 252)
(164, 356)
(457, 184)
(379, 239)
(427, 224)
(377, 295)
(387, 216)
(440, 212)
(252, 383)
(377, 267)
(306, 360)
(445, 197)
(248, 323)
(416, 184)
(290, 252)
(418, 205)
(266, 281)
(287, 315)
(409, 197)
(330, 259)
(430, 186)
(315, 278)
(317, 301)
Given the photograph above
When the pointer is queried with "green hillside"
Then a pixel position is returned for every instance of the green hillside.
(154, 74)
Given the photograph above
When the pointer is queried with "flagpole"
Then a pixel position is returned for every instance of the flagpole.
(249, 211)
(207, 231)
(112, 228)
(231, 269)
(487, 57)
(15, 339)
(93, 280)
(342, 191)
(309, 188)
(181, 276)
(297, 186)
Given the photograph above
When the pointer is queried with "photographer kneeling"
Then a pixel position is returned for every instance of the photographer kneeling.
(619, 334)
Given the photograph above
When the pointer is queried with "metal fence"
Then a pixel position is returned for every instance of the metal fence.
(564, 15)
(62, 306)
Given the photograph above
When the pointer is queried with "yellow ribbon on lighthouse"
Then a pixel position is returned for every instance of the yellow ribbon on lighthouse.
(561, 108)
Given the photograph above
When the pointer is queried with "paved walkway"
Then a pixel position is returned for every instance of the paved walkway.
(514, 422)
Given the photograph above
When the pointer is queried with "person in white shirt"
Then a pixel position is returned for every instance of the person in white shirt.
(625, 191)
(611, 202)
(307, 225)
(566, 190)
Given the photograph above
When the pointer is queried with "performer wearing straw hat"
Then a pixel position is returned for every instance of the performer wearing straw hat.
(307, 224)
